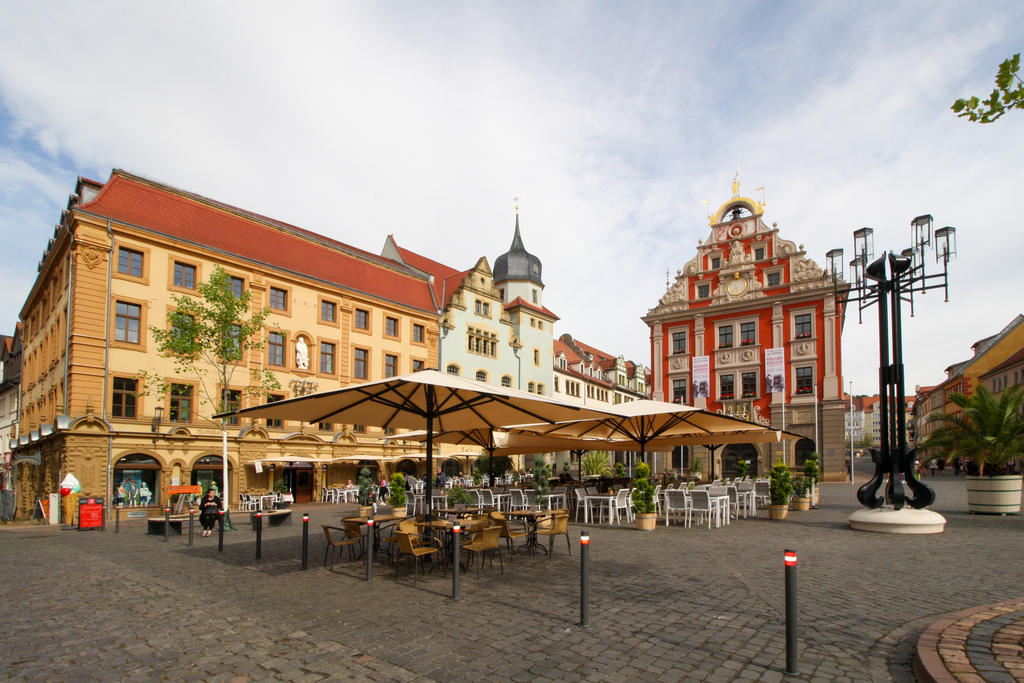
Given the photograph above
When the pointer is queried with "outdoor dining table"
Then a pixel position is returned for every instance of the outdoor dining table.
(267, 500)
(721, 502)
(499, 500)
(378, 521)
(532, 517)
(552, 498)
(459, 512)
(747, 500)
(445, 527)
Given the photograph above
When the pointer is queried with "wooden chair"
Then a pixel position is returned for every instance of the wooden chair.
(336, 541)
(415, 547)
(507, 531)
(559, 527)
(485, 542)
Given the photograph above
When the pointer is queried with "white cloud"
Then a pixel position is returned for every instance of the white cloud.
(611, 122)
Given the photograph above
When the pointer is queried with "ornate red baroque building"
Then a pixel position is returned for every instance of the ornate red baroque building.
(747, 291)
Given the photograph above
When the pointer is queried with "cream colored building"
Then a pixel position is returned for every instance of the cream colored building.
(121, 250)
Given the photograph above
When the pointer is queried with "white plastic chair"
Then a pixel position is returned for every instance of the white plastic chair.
(621, 503)
(677, 500)
(700, 503)
(516, 499)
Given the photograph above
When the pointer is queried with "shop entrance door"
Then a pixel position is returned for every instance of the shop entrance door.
(303, 486)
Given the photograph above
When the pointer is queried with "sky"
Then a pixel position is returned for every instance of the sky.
(611, 121)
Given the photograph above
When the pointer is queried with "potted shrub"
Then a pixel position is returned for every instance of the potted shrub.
(541, 477)
(990, 433)
(643, 499)
(801, 495)
(459, 496)
(396, 497)
(779, 490)
(742, 468)
(620, 470)
(812, 473)
(281, 488)
(365, 483)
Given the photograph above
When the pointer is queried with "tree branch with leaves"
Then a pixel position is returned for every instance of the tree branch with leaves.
(1002, 99)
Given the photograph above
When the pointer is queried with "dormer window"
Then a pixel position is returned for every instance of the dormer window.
(716, 262)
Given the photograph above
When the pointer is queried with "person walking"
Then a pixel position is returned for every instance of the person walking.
(209, 510)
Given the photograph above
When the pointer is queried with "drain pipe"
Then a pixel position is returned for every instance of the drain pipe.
(106, 368)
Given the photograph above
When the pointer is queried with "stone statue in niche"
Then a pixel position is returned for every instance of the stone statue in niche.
(301, 354)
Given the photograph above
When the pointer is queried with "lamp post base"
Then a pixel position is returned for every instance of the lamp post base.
(885, 520)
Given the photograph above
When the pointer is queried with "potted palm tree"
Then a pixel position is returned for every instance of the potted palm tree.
(643, 499)
(779, 490)
(989, 432)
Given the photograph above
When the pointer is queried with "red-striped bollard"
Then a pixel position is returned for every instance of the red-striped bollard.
(791, 637)
(305, 540)
(259, 535)
(369, 549)
(456, 551)
(220, 532)
(584, 578)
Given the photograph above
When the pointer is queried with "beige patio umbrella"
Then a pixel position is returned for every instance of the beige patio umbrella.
(643, 421)
(428, 400)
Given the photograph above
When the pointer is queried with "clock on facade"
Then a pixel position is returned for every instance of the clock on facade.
(736, 286)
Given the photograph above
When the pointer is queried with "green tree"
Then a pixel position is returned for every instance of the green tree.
(987, 430)
(1003, 97)
(208, 337)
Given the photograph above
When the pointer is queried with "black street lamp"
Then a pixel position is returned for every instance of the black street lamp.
(889, 287)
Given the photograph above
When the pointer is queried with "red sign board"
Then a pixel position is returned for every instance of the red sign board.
(90, 513)
(171, 490)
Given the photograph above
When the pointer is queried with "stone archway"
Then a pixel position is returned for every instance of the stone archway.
(735, 452)
(136, 481)
(801, 450)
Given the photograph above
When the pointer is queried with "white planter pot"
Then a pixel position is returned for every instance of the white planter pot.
(994, 495)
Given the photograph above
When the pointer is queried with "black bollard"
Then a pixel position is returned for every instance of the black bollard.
(584, 579)
(167, 521)
(259, 535)
(791, 637)
(456, 551)
(305, 541)
(117, 519)
(191, 518)
(220, 533)
(369, 549)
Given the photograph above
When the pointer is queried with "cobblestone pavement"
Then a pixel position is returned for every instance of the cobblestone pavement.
(673, 604)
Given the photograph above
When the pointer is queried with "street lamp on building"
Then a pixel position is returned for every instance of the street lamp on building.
(889, 281)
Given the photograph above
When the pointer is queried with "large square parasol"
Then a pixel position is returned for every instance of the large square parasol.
(428, 400)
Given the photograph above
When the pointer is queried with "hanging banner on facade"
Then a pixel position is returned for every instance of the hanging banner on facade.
(775, 370)
(259, 466)
(701, 376)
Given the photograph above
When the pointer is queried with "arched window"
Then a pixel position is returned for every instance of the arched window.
(209, 469)
(506, 381)
(136, 481)
(804, 447)
(452, 369)
(481, 376)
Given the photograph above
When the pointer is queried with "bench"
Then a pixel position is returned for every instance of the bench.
(155, 525)
(272, 517)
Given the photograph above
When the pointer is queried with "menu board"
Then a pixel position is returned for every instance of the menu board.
(90, 513)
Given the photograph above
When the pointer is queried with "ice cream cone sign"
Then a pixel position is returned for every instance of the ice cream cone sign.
(69, 489)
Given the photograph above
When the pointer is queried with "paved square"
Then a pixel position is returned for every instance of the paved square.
(674, 604)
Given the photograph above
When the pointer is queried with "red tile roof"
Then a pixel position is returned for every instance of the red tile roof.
(520, 301)
(562, 348)
(181, 215)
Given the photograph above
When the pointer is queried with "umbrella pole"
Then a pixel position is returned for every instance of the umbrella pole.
(430, 453)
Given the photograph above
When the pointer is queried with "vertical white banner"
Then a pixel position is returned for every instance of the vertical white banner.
(701, 376)
(774, 370)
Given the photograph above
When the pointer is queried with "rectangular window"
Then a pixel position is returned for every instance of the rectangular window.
(391, 327)
(278, 299)
(273, 421)
(679, 391)
(703, 291)
(180, 409)
(749, 384)
(123, 399)
(727, 386)
(725, 336)
(275, 349)
(536, 357)
(748, 334)
(417, 365)
(774, 279)
(328, 311)
(325, 426)
(759, 253)
(127, 322)
(483, 308)
(237, 286)
(232, 401)
(362, 320)
(679, 342)
(805, 380)
(359, 367)
(184, 275)
(327, 358)
(802, 325)
(417, 333)
(716, 262)
(390, 365)
(129, 262)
